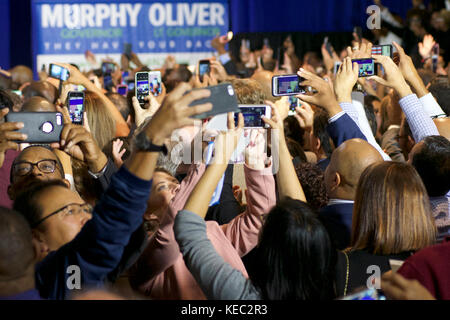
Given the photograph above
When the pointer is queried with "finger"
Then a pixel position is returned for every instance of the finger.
(14, 135)
(349, 51)
(306, 105)
(121, 153)
(9, 145)
(399, 48)
(240, 121)
(11, 126)
(230, 121)
(198, 109)
(193, 96)
(3, 112)
(65, 114)
(179, 91)
(378, 79)
(270, 122)
(75, 140)
(355, 68)
(308, 75)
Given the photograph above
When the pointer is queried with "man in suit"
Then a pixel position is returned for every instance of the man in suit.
(348, 161)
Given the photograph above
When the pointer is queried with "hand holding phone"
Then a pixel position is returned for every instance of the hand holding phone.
(384, 50)
(40, 127)
(287, 85)
(204, 67)
(142, 86)
(252, 115)
(76, 106)
(59, 72)
(366, 67)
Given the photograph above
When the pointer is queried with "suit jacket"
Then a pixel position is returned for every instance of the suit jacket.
(337, 219)
(389, 144)
(343, 129)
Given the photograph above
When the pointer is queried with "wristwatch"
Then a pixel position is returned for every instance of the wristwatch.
(143, 143)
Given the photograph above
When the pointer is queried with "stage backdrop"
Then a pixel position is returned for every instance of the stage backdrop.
(63, 30)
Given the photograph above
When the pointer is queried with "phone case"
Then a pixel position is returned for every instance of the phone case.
(223, 98)
(41, 127)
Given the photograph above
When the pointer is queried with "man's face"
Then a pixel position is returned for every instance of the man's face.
(63, 226)
(20, 179)
(164, 188)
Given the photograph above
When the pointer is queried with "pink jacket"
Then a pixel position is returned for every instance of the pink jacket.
(161, 273)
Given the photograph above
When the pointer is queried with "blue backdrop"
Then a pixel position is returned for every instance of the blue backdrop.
(245, 16)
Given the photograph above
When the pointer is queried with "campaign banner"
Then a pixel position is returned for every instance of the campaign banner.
(64, 30)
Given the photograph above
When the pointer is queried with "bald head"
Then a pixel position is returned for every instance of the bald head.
(38, 104)
(42, 89)
(20, 75)
(264, 78)
(348, 161)
(443, 126)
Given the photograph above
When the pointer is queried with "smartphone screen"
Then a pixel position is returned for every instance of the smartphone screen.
(142, 86)
(252, 116)
(337, 65)
(122, 90)
(203, 68)
(155, 83)
(130, 84)
(76, 107)
(366, 67)
(293, 103)
(59, 72)
(384, 50)
(288, 85)
(108, 67)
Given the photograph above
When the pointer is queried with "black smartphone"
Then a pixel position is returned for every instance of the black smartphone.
(127, 50)
(204, 67)
(435, 57)
(59, 72)
(108, 82)
(223, 98)
(130, 84)
(384, 50)
(358, 31)
(40, 127)
(287, 85)
(142, 86)
(108, 68)
(76, 106)
(366, 67)
(328, 46)
(252, 115)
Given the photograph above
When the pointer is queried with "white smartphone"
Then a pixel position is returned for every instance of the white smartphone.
(287, 85)
(155, 82)
(252, 115)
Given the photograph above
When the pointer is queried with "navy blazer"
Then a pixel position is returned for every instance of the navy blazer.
(344, 129)
(99, 246)
(337, 219)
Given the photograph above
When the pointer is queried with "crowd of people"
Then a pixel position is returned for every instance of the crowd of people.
(356, 179)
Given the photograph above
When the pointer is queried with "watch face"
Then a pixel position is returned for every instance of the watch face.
(143, 143)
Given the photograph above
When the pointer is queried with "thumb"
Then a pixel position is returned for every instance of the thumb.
(136, 106)
(379, 80)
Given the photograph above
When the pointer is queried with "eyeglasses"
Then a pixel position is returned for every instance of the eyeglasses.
(45, 166)
(68, 210)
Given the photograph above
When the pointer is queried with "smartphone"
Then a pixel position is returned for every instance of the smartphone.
(328, 46)
(108, 68)
(41, 127)
(59, 72)
(293, 103)
(223, 99)
(384, 50)
(155, 82)
(108, 82)
(287, 85)
(142, 86)
(76, 106)
(122, 89)
(369, 294)
(127, 50)
(252, 115)
(130, 84)
(358, 31)
(366, 67)
(337, 65)
(204, 67)
(435, 56)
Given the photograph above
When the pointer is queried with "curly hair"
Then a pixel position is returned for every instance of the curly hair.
(313, 184)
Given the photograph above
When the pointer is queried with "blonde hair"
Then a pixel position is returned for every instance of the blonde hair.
(101, 122)
(392, 212)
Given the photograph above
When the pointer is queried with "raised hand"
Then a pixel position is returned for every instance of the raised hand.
(255, 157)
(394, 78)
(305, 116)
(8, 135)
(324, 96)
(426, 46)
(345, 80)
(226, 142)
(141, 114)
(117, 153)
